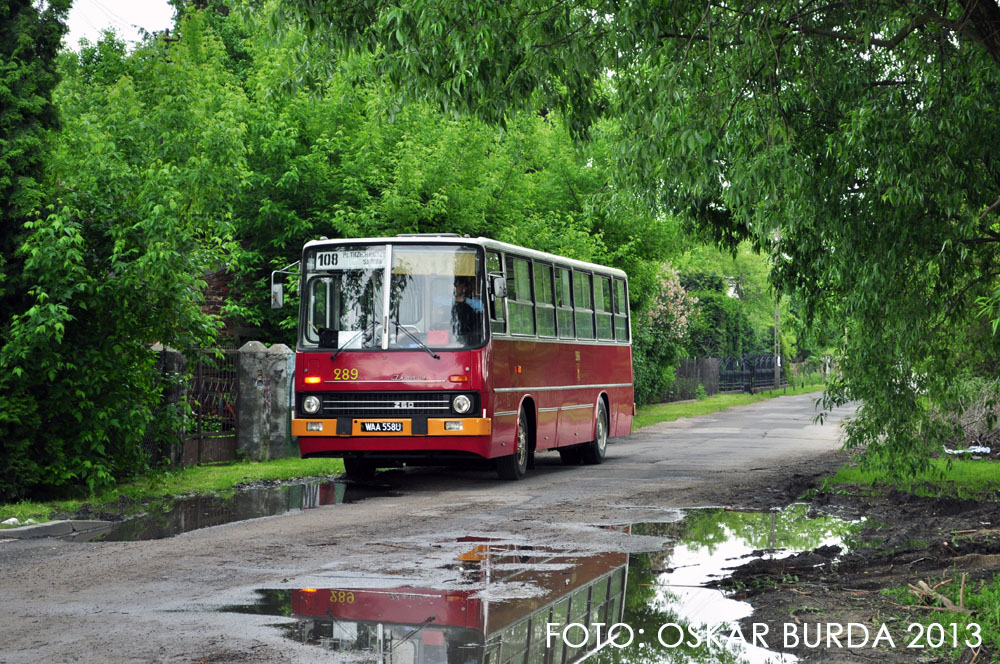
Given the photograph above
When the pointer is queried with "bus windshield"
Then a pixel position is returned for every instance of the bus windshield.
(434, 297)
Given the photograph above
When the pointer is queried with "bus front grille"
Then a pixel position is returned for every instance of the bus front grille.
(386, 404)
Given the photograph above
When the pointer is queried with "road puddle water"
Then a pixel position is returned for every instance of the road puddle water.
(516, 604)
(187, 514)
(679, 617)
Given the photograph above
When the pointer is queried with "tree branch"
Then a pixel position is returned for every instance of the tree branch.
(992, 208)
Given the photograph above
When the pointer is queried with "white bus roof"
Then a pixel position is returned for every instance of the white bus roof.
(481, 241)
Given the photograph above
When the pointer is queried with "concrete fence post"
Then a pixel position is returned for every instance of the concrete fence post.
(263, 429)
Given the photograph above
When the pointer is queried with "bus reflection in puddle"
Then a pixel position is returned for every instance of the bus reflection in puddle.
(430, 626)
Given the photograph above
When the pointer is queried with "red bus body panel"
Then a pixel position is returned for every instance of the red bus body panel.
(557, 383)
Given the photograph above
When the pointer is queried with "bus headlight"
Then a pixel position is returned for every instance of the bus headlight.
(461, 404)
(311, 404)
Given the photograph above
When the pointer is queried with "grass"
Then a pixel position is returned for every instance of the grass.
(961, 632)
(211, 478)
(668, 412)
(966, 478)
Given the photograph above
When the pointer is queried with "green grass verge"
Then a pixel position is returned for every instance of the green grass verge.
(212, 478)
(960, 631)
(668, 412)
(965, 478)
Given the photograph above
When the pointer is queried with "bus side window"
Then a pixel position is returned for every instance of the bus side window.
(583, 304)
(498, 325)
(543, 301)
(564, 303)
(519, 302)
(602, 305)
(621, 311)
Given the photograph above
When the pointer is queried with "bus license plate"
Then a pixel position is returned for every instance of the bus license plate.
(380, 427)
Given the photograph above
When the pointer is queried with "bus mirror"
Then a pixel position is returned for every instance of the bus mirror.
(278, 288)
(499, 287)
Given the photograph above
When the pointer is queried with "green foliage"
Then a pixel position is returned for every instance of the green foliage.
(721, 328)
(29, 40)
(142, 177)
(981, 597)
(658, 334)
(703, 282)
(338, 158)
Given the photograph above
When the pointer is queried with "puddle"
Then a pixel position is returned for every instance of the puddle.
(671, 587)
(188, 514)
(530, 605)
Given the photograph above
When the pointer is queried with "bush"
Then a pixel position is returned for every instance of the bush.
(973, 413)
(659, 333)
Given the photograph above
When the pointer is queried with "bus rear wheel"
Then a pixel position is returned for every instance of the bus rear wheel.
(595, 451)
(514, 466)
(359, 469)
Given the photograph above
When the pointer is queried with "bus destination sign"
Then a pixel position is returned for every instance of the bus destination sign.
(369, 258)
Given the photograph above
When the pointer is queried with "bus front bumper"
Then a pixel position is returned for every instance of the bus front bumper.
(381, 427)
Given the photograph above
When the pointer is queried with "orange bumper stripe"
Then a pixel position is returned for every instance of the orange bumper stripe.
(471, 426)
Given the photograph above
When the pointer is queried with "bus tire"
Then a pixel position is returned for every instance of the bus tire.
(359, 469)
(514, 466)
(595, 451)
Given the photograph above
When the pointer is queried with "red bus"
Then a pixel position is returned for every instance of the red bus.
(432, 348)
(408, 625)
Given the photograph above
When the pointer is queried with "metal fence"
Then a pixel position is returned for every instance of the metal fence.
(212, 394)
(211, 391)
(749, 373)
(693, 372)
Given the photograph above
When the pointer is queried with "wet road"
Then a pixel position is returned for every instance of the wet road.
(158, 601)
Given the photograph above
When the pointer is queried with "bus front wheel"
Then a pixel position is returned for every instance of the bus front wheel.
(595, 451)
(514, 466)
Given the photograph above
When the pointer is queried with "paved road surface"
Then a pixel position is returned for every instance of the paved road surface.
(154, 601)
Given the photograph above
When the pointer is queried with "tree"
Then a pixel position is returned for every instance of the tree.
(853, 141)
(141, 181)
(30, 35)
(339, 158)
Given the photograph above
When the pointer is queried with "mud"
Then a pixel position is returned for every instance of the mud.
(906, 541)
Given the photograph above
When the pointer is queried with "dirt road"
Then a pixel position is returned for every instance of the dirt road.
(157, 601)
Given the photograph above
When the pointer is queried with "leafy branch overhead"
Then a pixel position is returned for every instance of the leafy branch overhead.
(855, 142)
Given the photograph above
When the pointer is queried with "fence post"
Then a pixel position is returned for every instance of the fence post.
(262, 424)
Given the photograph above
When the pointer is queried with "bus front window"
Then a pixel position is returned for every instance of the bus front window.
(435, 297)
(344, 297)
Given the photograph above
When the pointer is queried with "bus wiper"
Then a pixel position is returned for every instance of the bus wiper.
(400, 326)
(349, 342)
